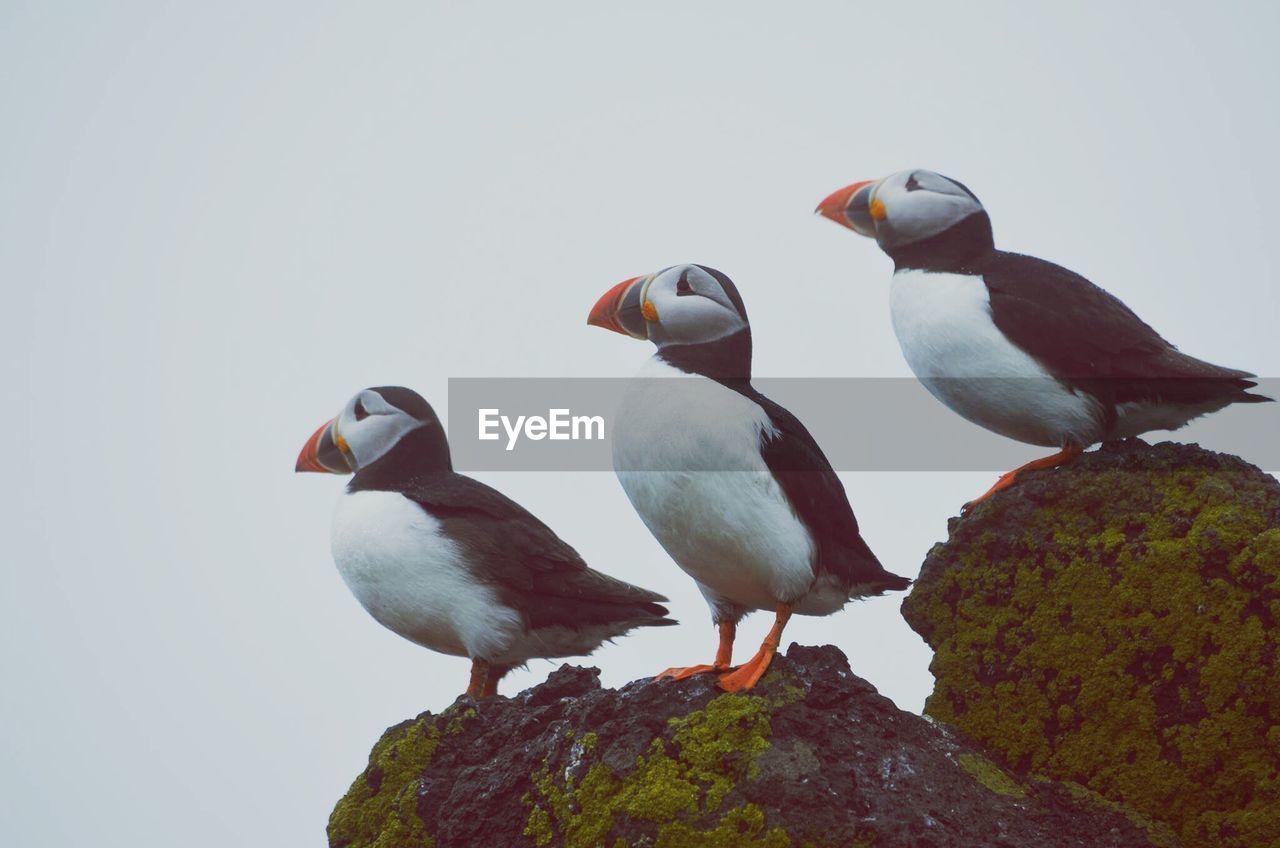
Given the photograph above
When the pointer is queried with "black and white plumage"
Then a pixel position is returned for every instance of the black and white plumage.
(730, 483)
(449, 563)
(1018, 345)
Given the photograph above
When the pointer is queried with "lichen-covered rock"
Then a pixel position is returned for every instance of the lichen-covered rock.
(1113, 623)
(812, 757)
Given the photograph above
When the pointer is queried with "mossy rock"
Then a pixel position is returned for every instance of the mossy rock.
(380, 810)
(1113, 623)
(812, 758)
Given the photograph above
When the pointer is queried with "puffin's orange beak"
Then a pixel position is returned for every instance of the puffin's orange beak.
(619, 309)
(852, 207)
(322, 454)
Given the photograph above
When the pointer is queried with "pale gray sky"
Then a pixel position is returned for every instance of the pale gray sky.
(220, 220)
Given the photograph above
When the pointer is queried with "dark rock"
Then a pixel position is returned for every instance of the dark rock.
(1113, 623)
(813, 756)
(568, 681)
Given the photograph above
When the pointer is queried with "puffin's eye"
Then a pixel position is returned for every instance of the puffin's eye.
(361, 412)
(682, 285)
(913, 184)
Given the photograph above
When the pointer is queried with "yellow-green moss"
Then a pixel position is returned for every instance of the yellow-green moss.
(744, 826)
(719, 744)
(458, 720)
(1120, 630)
(380, 810)
(991, 775)
(682, 778)
(538, 826)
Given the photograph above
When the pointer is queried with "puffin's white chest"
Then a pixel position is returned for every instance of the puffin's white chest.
(714, 506)
(944, 325)
(412, 579)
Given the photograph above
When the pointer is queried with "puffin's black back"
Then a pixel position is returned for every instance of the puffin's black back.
(1090, 339)
(819, 499)
(1083, 335)
(533, 570)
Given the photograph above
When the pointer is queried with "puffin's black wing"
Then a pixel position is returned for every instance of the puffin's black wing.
(818, 498)
(534, 570)
(1092, 341)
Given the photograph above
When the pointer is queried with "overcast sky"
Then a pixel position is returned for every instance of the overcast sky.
(217, 221)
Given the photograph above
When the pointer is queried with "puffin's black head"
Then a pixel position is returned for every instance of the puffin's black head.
(907, 208)
(371, 424)
(680, 305)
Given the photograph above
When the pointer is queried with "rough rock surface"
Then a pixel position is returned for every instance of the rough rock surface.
(814, 756)
(1114, 623)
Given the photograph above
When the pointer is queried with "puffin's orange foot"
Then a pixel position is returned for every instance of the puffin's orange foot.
(1010, 477)
(1006, 480)
(681, 672)
(749, 673)
(724, 656)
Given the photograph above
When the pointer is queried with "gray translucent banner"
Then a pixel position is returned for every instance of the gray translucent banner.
(861, 424)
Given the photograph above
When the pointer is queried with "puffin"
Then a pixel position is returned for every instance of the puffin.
(1016, 344)
(449, 563)
(730, 483)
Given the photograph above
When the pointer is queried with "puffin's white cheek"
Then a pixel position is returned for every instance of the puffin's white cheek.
(921, 215)
(370, 439)
(697, 322)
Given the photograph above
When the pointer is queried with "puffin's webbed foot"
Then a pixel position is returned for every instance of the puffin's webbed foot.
(1010, 477)
(679, 672)
(724, 656)
(749, 673)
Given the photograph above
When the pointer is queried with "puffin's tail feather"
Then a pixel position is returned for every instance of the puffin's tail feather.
(1174, 376)
(588, 597)
(577, 613)
(891, 583)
